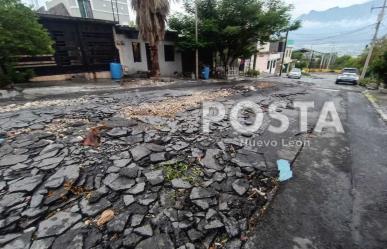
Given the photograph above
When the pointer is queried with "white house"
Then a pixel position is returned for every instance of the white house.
(135, 54)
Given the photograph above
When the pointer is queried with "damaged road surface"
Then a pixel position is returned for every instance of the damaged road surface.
(135, 170)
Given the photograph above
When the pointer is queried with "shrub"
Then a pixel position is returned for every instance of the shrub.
(252, 73)
(368, 81)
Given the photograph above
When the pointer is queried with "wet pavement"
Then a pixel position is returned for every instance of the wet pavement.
(337, 198)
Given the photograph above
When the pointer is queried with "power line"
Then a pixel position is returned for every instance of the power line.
(345, 33)
(335, 33)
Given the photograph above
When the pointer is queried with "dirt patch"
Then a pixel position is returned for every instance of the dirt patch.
(170, 107)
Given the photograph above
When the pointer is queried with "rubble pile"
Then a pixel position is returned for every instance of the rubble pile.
(152, 181)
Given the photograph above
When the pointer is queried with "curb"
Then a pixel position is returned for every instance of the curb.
(378, 109)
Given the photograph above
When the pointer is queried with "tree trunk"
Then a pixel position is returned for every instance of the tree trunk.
(155, 68)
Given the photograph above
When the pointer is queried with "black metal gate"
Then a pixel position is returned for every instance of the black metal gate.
(81, 45)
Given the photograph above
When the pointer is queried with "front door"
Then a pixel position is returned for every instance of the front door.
(148, 57)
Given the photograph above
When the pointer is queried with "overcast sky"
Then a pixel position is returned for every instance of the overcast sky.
(304, 6)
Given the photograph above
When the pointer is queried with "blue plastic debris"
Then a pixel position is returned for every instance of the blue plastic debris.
(284, 168)
(2, 137)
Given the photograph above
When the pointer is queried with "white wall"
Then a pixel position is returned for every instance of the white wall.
(167, 68)
(126, 54)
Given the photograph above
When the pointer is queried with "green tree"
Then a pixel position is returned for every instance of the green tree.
(20, 34)
(379, 67)
(232, 28)
(346, 61)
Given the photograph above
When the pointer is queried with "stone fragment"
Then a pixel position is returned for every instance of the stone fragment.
(213, 225)
(234, 244)
(139, 152)
(57, 224)
(34, 212)
(180, 145)
(144, 231)
(202, 203)
(50, 163)
(12, 199)
(117, 225)
(72, 238)
(160, 241)
(131, 171)
(68, 173)
(157, 157)
(21, 242)
(131, 240)
(209, 161)
(241, 186)
(120, 163)
(181, 184)
(36, 200)
(94, 208)
(136, 220)
(26, 184)
(98, 194)
(8, 237)
(128, 200)
(147, 199)
(12, 160)
(117, 182)
(194, 235)
(200, 193)
(137, 189)
(155, 177)
(117, 132)
(42, 243)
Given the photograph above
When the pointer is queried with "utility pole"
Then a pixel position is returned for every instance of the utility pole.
(197, 40)
(114, 17)
(380, 19)
(311, 59)
(283, 54)
(118, 15)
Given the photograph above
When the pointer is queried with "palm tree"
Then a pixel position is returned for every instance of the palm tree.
(151, 19)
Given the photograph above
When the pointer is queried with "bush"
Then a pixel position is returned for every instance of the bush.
(368, 81)
(252, 73)
(16, 76)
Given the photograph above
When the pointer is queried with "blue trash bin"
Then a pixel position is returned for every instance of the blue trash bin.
(116, 71)
(206, 73)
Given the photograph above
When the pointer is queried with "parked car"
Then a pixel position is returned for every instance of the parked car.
(295, 73)
(348, 75)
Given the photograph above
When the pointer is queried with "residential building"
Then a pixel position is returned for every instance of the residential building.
(135, 53)
(85, 47)
(111, 10)
(269, 57)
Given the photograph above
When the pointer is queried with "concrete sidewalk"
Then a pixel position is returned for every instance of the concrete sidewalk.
(379, 101)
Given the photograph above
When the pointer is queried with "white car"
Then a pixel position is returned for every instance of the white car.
(350, 75)
(295, 73)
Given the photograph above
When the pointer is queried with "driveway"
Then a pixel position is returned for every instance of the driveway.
(337, 198)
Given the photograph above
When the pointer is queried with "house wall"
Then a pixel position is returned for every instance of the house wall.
(167, 68)
(262, 62)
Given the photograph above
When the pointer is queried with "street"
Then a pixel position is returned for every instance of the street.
(337, 198)
(132, 168)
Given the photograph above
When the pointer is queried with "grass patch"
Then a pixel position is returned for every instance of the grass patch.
(185, 171)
